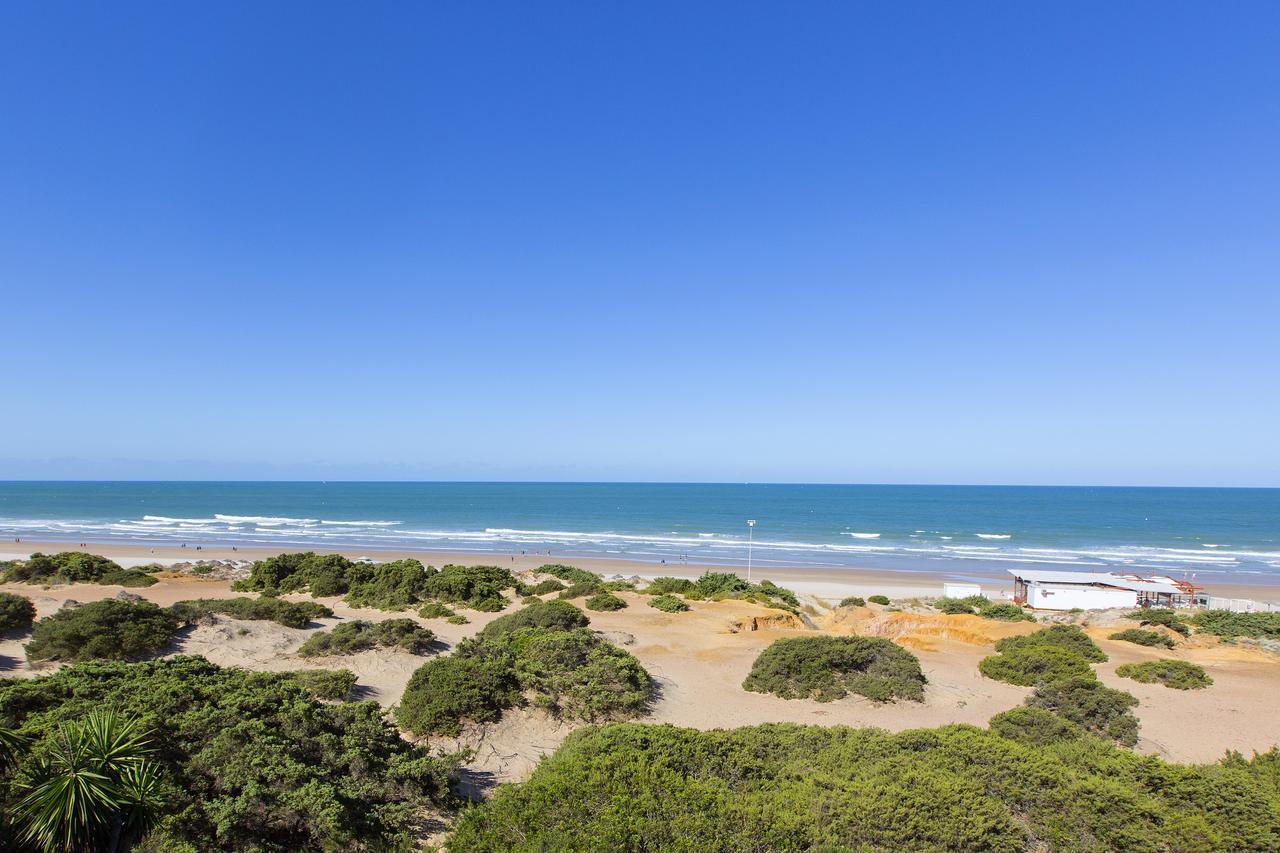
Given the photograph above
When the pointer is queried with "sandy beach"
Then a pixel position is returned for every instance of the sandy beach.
(700, 658)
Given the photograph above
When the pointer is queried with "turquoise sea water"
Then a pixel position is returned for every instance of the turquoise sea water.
(952, 528)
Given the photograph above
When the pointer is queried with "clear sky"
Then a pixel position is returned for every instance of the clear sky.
(847, 242)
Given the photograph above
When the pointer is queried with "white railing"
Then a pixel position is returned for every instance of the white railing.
(1241, 605)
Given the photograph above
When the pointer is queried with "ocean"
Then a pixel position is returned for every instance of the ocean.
(1180, 531)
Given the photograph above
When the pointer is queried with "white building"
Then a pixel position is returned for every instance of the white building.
(1098, 590)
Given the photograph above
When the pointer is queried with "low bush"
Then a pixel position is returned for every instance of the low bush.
(829, 668)
(106, 630)
(569, 574)
(878, 599)
(395, 585)
(570, 673)
(1005, 612)
(1161, 616)
(817, 788)
(546, 586)
(359, 635)
(1034, 726)
(16, 612)
(1068, 637)
(477, 587)
(853, 601)
(128, 577)
(291, 614)
(582, 589)
(605, 601)
(64, 567)
(1178, 674)
(1142, 638)
(668, 604)
(1027, 666)
(717, 586)
(251, 761)
(1228, 624)
(560, 615)
(954, 606)
(1091, 705)
(434, 610)
(668, 586)
(334, 685)
(458, 619)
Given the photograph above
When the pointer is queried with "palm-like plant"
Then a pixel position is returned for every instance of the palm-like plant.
(94, 788)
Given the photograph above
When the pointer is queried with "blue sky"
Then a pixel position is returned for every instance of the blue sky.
(996, 243)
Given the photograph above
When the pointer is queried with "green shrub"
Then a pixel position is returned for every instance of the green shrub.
(829, 668)
(571, 673)
(16, 612)
(1028, 666)
(668, 604)
(1068, 637)
(1178, 674)
(1161, 616)
(251, 760)
(1142, 638)
(853, 601)
(560, 615)
(816, 788)
(1225, 623)
(581, 589)
(568, 573)
(667, 586)
(434, 610)
(717, 586)
(605, 601)
(128, 577)
(546, 586)
(334, 685)
(108, 630)
(64, 567)
(291, 614)
(878, 599)
(1089, 704)
(395, 585)
(953, 606)
(530, 599)
(458, 619)
(477, 587)
(1034, 726)
(359, 635)
(1006, 612)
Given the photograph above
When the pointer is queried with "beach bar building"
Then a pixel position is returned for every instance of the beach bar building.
(1049, 590)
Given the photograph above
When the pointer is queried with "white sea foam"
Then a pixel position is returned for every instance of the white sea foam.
(265, 519)
(863, 535)
(993, 535)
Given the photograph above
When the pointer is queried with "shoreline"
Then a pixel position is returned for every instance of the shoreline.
(818, 581)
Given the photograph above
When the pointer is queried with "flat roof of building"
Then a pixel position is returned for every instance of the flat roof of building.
(1156, 583)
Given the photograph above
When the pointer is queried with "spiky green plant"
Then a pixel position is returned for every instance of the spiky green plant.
(93, 786)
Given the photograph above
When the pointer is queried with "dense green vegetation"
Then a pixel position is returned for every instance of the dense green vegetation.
(581, 589)
(569, 574)
(359, 635)
(1090, 704)
(291, 614)
(395, 585)
(108, 630)
(980, 605)
(1228, 624)
(853, 601)
(1142, 638)
(1068, 637)
(546, 586)
(1161, 616)
(1178, 674)
(1034, 726)
(605, 601)
(1027, 666)
(878, 599)
(1006, 612)
(829, 668)
(668, 604)
(560, 615)
(16, 612)
(64, 567)
(669, 586)
(434, 610)
(332, 684)
(540, 653)
(477, 587)
(245, 760)
(789, 787)
(128, 577)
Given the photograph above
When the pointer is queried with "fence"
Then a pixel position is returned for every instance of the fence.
(1241, 605)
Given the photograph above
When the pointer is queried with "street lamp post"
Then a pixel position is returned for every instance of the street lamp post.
(751, 526)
